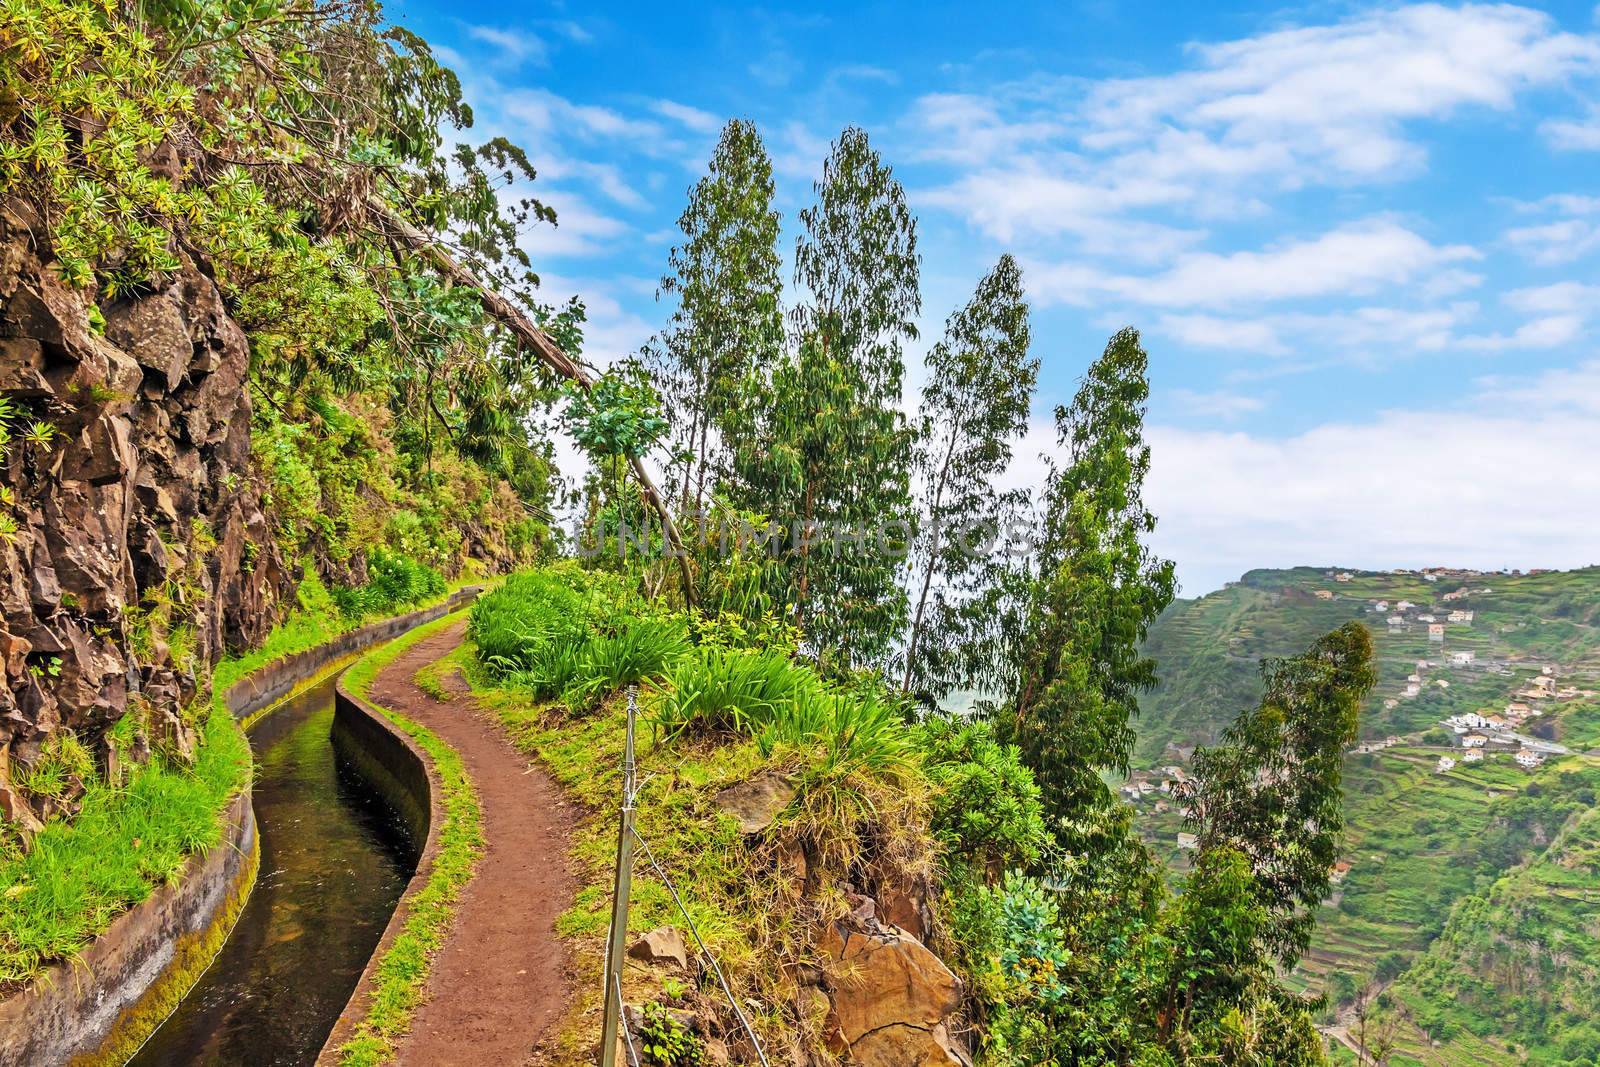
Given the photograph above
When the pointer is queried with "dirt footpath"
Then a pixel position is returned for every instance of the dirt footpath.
(502, 982)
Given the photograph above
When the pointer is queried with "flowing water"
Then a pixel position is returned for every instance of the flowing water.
(334, 861)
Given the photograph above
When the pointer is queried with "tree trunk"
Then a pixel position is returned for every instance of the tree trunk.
(933, 561)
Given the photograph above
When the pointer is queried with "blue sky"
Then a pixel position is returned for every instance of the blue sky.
(1360, 241)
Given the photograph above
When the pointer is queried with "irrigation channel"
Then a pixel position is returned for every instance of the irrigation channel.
(334, 861)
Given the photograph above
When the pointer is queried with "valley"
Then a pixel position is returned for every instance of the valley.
(1463, 904)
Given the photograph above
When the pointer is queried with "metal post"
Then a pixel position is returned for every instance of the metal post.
(619, 898)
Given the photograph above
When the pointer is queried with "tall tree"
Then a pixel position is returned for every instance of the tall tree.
(1271, 789)
(980, 384)
(834, 452)
(1077, 621)
(729, 319)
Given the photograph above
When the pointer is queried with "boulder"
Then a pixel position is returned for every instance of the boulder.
(663, 945)
(892, 999)
(756, 803)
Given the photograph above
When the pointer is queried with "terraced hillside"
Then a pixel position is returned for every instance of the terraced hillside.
(1469, 905)
(1208, 648)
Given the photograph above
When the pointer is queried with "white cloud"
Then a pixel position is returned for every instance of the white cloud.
(1570, 297)
(1518, 487)
(1337, 96)
(1220, 404)
(514, 45)
(1209, 331)
(1575, 135)
(1550, 331)
(1554, 243)
(544, 112)
(1270, 113)
(1355, 259)
(692, 118)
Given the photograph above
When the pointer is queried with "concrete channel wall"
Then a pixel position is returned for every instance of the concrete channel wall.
(101, 1007)
(398, 770)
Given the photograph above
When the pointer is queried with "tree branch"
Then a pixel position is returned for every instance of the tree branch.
(527, 332)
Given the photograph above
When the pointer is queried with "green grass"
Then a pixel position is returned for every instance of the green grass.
(722, 717)
(403, 970)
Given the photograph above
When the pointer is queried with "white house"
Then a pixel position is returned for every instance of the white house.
(1473, 741)
(1468, 721)
(1382, 605)
(1397, 620)
(1441, 683)
(1324, 594)
(1461, 617)
(1436, 631)
(1426, 618)
(1413, 689)
(1462, 659)
(1342, 576)
(1472, 755)
(1390, 704)
(1446, 764)
(1529, 758)
(1187, 840)
(1404, 605)
(1430, 577)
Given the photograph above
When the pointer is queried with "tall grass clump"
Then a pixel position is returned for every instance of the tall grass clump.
(732, 690)
(565, 633)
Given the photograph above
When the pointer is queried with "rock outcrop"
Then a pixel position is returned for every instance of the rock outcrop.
(891, 1000)
(137, 549)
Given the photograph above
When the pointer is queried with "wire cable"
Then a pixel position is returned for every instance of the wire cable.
(627, 1037)
(672, 889)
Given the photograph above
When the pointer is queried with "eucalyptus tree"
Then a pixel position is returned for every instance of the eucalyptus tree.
(974, 406)
(728, 325)
(1068, 629)
(1271, 790)
(833, 453)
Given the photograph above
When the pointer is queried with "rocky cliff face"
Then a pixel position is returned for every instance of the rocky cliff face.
(137, 548)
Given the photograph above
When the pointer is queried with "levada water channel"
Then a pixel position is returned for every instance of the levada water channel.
(334, 860)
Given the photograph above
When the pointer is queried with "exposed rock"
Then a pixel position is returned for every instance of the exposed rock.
(757, 802)
(153, 331)
(16, 811)
(664, 944)
(891, 998)
(903, 901)
(145, 491)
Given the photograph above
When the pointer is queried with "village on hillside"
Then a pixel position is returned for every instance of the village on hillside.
(1501, 726)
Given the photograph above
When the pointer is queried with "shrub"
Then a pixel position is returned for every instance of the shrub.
(666, 1042)
(393, 582)
(514, 624)
(985, 805)
(1011, 942)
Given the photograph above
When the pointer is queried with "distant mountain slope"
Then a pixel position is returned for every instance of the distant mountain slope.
(1208, 649)
(1469, 893)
